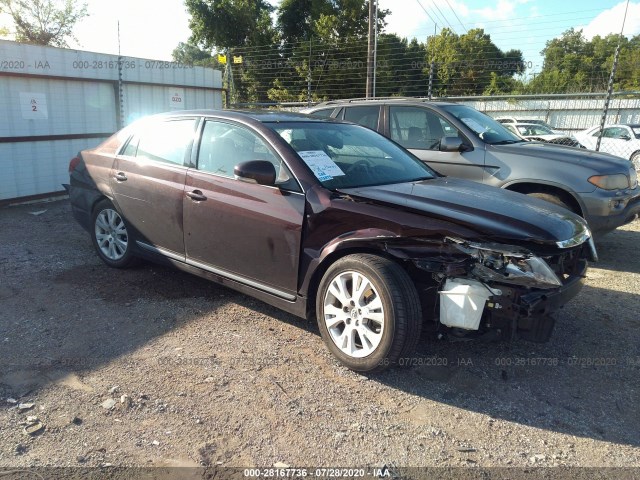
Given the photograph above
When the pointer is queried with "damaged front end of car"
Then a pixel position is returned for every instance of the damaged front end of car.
(494, 290)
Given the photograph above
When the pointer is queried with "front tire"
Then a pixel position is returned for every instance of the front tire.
(368, 312)
(551, 198)
(110, 236)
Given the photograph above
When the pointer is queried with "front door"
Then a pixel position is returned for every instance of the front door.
(420, 130)
(245, 231)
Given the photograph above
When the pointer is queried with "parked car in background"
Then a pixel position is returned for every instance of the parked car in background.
(542, 123)
(620, 140)
(459, 141)
(330, 221)
(540, 133)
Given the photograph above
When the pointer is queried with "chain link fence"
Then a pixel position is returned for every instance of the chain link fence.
(572, 120)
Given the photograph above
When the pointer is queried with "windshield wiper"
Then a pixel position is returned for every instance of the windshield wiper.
(507, 142)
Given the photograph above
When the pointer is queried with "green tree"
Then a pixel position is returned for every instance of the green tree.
(466, 64)
(44, 22)
(574, 64)
(237, 26)
(330, 45)
(190, 54)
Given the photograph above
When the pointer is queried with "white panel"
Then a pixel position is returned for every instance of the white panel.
(32, 168)
(72, 106)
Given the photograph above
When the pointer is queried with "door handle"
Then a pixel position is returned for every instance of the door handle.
(120, 177)
(196, 195)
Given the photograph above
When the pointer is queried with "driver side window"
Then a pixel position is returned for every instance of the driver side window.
(419, 128)
(225, 145)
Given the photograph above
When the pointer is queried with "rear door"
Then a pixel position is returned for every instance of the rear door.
(420, 129)
(244, 231)
(147, 180)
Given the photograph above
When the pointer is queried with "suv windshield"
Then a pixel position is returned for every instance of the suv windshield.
(485, 127)
(349, 156)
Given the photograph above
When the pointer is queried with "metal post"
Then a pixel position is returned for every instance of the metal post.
(608, 99)
(430, 91)
(369, 86)
(120, 85)
(375, 50)
(309, 75)
(611, 77)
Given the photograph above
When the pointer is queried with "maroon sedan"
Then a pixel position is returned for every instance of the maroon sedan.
(333, 221)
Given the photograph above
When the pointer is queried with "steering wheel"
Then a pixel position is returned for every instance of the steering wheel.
(363, 164)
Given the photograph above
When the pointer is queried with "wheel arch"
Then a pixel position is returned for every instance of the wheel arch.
(341, 250)
(569, 197)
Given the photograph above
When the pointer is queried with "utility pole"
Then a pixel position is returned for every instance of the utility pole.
(369, 89)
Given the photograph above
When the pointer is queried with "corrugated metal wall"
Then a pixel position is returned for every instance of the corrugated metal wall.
(55, 102)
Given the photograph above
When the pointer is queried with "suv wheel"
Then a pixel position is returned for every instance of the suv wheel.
(551, 198)
(368, 312)
(635, 159)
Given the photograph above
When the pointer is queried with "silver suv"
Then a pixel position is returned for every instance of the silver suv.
(459, 141)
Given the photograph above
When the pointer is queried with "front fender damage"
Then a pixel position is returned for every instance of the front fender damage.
(461, 299)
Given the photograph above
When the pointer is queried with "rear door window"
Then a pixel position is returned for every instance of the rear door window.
(324, 113)
(367, 115)
(165, 141)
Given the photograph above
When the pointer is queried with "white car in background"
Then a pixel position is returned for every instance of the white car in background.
(511, 120)
(540, 133)
(620, 140)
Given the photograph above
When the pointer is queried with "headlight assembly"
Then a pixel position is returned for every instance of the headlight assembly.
(508, 264)
(618, 181)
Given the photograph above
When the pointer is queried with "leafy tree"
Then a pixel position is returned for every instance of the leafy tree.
(235, 26)
(574, 64)
(190, 54)
(44, 22)
(465, 63)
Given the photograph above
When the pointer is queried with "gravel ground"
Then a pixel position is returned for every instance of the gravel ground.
(200, 375)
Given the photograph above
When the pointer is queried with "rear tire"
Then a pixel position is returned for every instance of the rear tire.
(368, 312)
(552, 198)
(110, 236)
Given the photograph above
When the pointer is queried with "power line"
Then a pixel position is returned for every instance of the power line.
(425, 11)
(456, 15)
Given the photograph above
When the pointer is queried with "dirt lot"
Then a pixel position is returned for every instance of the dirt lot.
(201, 375)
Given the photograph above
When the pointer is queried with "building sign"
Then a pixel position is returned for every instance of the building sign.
(33, 106)
(176, 99)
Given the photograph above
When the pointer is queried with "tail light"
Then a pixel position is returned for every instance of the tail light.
(73, 164)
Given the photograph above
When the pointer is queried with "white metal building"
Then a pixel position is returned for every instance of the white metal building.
(55, 102)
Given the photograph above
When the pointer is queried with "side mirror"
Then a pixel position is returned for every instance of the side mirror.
(261, 172)
(451, 144)
(625, 137)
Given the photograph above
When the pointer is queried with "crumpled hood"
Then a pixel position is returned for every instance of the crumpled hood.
(494, 213)
(600, 162)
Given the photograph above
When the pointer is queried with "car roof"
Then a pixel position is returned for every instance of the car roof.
(262, 116)
(381, 101)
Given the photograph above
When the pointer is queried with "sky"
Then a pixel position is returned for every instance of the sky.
(152, 29)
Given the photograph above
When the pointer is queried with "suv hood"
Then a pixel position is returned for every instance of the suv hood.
(492, 212)
(599, 162)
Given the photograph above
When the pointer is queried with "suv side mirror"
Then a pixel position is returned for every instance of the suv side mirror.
(625, 136)
(261, 172)
(451, 144)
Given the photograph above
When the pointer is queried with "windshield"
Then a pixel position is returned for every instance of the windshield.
(485, 127)
(349, 156)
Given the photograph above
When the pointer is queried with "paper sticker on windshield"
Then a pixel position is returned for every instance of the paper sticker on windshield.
(321, 164)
